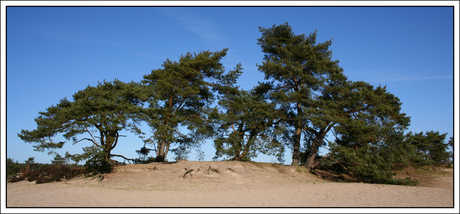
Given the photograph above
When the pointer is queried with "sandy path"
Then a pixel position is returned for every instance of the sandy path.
(242, 186)
(27, 194)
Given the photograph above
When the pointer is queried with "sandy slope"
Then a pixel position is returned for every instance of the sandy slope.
(222, 184)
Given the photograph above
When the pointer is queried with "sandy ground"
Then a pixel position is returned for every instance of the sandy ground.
(222, 184)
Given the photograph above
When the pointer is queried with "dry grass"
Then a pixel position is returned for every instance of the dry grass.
(427, 177)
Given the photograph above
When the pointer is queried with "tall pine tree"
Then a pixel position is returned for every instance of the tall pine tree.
(180, 94)
(297, 69)
(314, 98)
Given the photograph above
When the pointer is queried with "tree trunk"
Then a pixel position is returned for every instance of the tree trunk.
(247, 146)
(166, 151)
(239, 155)
(298, 134)
(295, 153)
(161, 152)
(107, 148)
(310, 164)
(310, 161)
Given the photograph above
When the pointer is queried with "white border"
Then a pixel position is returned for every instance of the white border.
(229, 3)
(226, 3)
(3, 107)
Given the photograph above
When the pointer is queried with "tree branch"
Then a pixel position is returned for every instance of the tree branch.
(88, 140)
(116, 141)
(94, 140)
(128, 159)
(195, 116)
(316, 164)
(284, 86)
(311, 130)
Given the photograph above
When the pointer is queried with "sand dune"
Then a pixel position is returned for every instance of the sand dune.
(222, 184)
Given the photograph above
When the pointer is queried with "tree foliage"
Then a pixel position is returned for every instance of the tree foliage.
(298, 69)
(100, 112)
(244, 123)
(451, 144)
(372, 162)
(179, 95)
(304, 99)
(58, 160)
(315, 98)
(428, 148)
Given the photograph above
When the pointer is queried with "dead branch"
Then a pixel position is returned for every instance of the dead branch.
(186, 173)
(128, 159)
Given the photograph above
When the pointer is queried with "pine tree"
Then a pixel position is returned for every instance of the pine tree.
(58, 160)
(314, 98)
(451, 154)
(180, 94)
(369, 140)
(298, 68)
(103, 110)
(429, 148)
(244, 124)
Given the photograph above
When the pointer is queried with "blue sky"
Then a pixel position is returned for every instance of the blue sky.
(53, 52)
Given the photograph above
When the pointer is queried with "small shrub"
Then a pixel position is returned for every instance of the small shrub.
(48, 174)
(406, 181)
(12, 169)
(17, 179)
(144, 161)
(24, 173)
(98, 163)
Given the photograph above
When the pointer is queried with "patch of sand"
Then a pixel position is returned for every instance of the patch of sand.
(221, 184)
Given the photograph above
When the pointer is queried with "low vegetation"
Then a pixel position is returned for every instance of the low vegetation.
(49, 173)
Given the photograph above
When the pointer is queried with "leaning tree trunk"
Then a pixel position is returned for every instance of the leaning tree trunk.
(239, 153)
(311, 156)
(310, 161)
(247, 147)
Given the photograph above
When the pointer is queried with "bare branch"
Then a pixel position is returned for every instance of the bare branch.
(88, 140)
(94, 140)
(128, 159)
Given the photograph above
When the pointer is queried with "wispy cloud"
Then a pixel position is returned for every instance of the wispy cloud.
(207, 30)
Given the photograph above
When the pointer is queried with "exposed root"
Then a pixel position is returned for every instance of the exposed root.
(231, 170)
(100, 177)
(187, 172)
(199, 172)
(154, 168)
